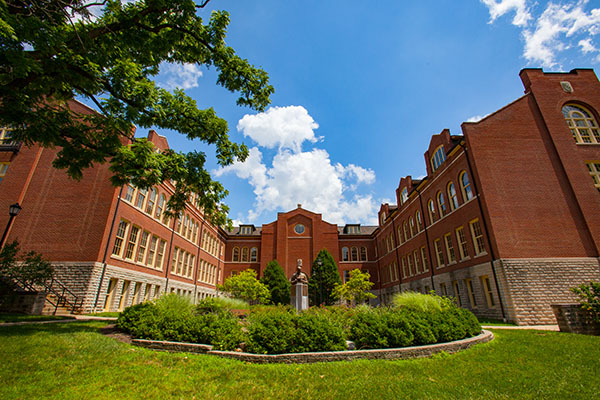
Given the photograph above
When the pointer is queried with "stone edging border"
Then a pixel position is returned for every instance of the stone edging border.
(301, 358)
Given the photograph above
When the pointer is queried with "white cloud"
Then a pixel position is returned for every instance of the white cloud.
(498, 9)
(184, 76)
(308, 178)
(560, 27)
(587, 46)
(282, 127)
(476, 118)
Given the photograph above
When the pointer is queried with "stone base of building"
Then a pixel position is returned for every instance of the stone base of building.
(530, 286)
(119, 287)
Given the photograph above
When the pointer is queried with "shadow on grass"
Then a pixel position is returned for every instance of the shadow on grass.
(58, 328)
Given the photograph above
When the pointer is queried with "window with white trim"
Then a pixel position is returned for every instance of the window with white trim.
(582, 124)
(120, 237)
(425, 260)
(3, 170)
(594, 170)
(477, 234)
(465, 186)
(439, 253)
(450, 248)
(452, 198)
(439, 156)
(461, 239)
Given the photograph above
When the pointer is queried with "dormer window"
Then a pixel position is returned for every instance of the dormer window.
(404, 195)
(246, 229)
(352, 229)
(439, 156)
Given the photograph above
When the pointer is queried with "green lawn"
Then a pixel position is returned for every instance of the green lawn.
(104, 314)
(74, 361)
(25, 317)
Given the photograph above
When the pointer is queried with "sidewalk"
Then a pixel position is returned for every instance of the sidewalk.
(54, 321)
(534, 327)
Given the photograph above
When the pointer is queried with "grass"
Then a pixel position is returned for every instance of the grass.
(10, 317)
(74, 361)
(104, 314)
(498, 322)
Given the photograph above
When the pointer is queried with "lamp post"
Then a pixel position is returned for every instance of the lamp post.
(320, 264)
(13, 211)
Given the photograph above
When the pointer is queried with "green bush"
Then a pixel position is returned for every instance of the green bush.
(418, 301)
(589, 298)
(174, 318)
(316, 332)
(220, 304)
(380, 328)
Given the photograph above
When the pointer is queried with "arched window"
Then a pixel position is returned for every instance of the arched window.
(151, 201)
(354, 253)
(400, 239)
(141, 198)
(419, 221)
(236, 254)
(582, 124)
(452, 199)
(160, 206)
(244, 254)
(412, 226)
(253, 254)
(405, 229)
(344, 254)
(363, 254)
(441, 204)
(465, 186)
(404, 195)
(431, 210)
(439, 156)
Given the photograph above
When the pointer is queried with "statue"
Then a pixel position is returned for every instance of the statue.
(299, 288)
(299, 276)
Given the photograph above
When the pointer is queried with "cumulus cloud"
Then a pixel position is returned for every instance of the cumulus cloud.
(308, 178)
(499, 8)
(476, 118)
(282, 127)
(560, 27)
(183, 76)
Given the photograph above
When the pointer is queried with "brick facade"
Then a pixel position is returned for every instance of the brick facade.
(506, 220)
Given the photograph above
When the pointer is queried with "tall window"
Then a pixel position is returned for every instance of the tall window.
(142, 247)
(582, 124)
(441, 204)
(236, 254)
(450, 248)
(452, 199)
(354, 253)
(465, 186)
(439, 156)
(253, 254)
(404, 274)
(417, 262)
(593, 168)
(363, 254)
(405, 229)
(412, 226)
(487, 290)
(345, 254)
(141, 197)
(424, 257)
(477, 237)
(3, 169)
(151, 201)
(456, 293)
(120, 238)
(439, 253)
(160, 254)
(160, 206)
(404, 195)
(244, 254)
(462, 243)
(471, 293)
(151, 251)
(431, 210)
(409, 260)
(419, 221)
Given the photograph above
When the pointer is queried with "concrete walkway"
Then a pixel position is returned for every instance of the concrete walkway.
(533, 327)
(54, 321)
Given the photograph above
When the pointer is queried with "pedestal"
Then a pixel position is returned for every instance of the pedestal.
(299, 296)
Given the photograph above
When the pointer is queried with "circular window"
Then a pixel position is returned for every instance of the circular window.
(299, 229)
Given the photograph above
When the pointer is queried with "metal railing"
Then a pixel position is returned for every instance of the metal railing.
(64, 297)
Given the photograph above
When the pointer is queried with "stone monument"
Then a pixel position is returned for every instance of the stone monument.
(299, 288)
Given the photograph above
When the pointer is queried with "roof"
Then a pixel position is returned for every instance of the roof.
(365, 230)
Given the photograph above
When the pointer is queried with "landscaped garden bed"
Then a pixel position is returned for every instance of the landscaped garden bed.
(413, 321)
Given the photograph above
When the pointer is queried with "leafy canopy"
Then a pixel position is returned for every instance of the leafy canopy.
(356, 290)
(246, 287)
(53, 51)
(275, 280)
(29, 268)
(323, 279)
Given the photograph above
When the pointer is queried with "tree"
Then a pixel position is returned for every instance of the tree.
(246, 287)
(323, 279)
(356, 290)
(55, 50)
(28, 269)
(275, 280)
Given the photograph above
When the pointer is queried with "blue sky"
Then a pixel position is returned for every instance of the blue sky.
(360, 87)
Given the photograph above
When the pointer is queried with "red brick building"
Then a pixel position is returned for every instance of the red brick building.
(506, 220)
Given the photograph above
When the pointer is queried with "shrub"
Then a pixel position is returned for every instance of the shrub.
(220, 304)
(173, 317)
(589, 297)
(275, 280)
(380, 328)
(418, 301)
(316, 332)
(271, 331)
